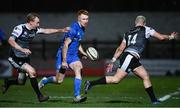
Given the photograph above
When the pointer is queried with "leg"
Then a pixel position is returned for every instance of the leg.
(58, 79)
(120, 75)
(20, 80)
(143, 74)
(7, 84)
(60, 73)
(76, 67)
(22, 77)
(32, 75)
(121, 72)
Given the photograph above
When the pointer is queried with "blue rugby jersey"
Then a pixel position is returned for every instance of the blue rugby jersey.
(75, 34)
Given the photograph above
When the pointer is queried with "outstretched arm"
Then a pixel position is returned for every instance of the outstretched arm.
(50, 31)
(160, 36)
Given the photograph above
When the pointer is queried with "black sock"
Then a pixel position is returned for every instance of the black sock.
(99, 81)
(12, 82)
(151, 94)
(34, 84)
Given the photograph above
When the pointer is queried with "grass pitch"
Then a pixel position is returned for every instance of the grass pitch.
(128, 93)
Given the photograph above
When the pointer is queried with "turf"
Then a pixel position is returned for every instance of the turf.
(129, 93)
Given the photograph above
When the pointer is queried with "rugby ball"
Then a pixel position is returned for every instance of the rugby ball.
(92, 53)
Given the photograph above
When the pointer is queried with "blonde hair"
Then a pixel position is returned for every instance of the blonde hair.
(140, 19)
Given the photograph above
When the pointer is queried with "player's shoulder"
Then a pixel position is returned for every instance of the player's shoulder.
(135, 30)
(148, 28)
(19, 27)
(75, 24)
(74, 27)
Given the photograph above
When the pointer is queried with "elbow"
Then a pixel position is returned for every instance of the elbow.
(9, 41)
(65, 47)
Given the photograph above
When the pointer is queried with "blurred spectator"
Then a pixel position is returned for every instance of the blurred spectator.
(3, 66)
(2, 37)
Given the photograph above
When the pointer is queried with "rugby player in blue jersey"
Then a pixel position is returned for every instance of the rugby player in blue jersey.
(67, 56)
(129, 53)
(19, 58)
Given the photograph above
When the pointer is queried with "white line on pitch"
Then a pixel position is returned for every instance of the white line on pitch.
(167, 96)
(68, 97)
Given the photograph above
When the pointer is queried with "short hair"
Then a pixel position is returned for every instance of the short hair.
(31, 17)
(82, 11)
(140, 18)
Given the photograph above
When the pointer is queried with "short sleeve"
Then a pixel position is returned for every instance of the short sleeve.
(149, 31)
(39, 30)
(17, 31)
(71, 33)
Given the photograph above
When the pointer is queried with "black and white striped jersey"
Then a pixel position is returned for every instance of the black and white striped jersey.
(23, 36)
(136, 38)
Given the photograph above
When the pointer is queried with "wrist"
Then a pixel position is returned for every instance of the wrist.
(171, 37)
(64, 60)
(113, 59)
(20, 49)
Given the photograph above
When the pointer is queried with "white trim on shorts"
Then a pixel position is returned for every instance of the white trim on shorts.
(126, 62)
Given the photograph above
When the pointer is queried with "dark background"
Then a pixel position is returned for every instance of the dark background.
(90, 5)
(107, 17)
(154, 7)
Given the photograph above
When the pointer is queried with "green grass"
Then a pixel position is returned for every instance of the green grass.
(129, 93)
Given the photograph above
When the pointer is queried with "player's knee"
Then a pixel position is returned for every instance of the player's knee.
(59, 81)
(146, 78)
(21, 82)
(21, 78)
(32, 74)
(78, 74)
(59, 78)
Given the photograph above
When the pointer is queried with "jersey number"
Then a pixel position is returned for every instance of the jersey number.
(132, 39)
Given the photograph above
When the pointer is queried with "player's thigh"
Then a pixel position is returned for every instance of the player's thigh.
(28, 68)
(141, 72)
(76, 67)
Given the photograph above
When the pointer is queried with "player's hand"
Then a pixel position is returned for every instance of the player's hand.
(66, 29)
(26, 51)
(175, 34)
(109, 67)
(64, 65)
(84, 57)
